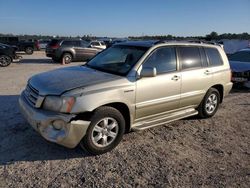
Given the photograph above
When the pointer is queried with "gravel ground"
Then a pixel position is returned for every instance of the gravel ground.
(188, 153)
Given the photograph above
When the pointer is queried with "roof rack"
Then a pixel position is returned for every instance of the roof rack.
(191, 41)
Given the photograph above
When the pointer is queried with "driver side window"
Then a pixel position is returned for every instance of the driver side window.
(163, 59)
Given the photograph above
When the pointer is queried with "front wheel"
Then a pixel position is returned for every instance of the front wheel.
(209, 104)
(104, 132)
(5, 60)
(29, 50)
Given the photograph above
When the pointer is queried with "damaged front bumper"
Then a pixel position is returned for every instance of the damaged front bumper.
(69, 133)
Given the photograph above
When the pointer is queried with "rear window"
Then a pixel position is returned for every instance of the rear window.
(190, 57)
(213, 57)
(243, 56)
(54, 42)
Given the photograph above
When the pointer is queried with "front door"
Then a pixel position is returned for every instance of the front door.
(159, 94)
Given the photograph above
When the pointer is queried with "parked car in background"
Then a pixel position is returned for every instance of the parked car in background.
(7, 55)
(97, 44)
(240, 66)
(27, 46)
(43, 43)
(108, 41)
(66, 51)
(129, 86)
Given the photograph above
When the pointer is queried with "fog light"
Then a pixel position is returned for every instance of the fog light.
(58, 124)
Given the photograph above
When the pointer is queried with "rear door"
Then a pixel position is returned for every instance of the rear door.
(84, 52)
(196, 76)
(160, 94)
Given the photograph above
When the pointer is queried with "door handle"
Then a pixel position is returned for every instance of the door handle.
(175, 78)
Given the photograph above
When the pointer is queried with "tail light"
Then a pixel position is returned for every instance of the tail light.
(55, 46)
(37, 45)
(231, 74)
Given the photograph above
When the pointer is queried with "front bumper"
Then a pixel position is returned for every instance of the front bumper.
(41, 120)
(17, 58)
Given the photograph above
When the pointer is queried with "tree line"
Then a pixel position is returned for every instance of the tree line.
(212, 36)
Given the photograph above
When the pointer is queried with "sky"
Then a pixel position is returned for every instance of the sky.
(123, 18)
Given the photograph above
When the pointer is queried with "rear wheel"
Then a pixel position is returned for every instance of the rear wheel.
(5, 60)
(66, 58)
(29, 50)
(209, 104)
(104, 132)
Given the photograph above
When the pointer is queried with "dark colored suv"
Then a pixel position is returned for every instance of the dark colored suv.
(7, 55)
(27, 46)
(66, 51)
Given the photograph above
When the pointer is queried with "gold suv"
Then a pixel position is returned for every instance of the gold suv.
(129, 86)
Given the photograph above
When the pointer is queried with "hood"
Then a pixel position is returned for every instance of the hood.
(58, 81)
(239, 66)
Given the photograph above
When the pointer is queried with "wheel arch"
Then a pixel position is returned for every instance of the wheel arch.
(68, 52)
(121, 107)
(220, 88)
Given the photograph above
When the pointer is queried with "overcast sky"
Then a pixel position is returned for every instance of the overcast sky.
(122, 18)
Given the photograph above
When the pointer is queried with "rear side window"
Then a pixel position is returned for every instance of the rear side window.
(70, 43)
(190, 57)
(163, 59)
(84, 44)
(213, 57)
(95, 43)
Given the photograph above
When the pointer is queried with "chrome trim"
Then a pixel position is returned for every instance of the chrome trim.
(192, 93)
(157, 101)
(32, 96)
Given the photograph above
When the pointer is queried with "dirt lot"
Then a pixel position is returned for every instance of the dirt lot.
(188, 153)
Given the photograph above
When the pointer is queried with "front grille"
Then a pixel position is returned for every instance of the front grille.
(31, 94)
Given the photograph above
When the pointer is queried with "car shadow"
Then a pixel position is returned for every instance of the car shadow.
(239, 89)
(19, 142)
(38, 61)
(45, 61)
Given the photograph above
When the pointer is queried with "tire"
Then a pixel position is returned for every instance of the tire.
(209, 104)
(5, 60)
(96, 134)
(29, 50)
(66, 58)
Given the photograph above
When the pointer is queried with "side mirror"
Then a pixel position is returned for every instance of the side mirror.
(148, 72)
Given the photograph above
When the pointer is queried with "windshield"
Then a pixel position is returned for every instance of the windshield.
(117, 59)
(243, 56)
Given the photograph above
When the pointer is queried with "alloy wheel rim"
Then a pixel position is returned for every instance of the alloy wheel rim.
(211, 103)
(67, 59)
(29, 50)
(4, 60)
(105, 132)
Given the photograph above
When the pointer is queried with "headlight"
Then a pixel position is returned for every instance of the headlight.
(59, 104)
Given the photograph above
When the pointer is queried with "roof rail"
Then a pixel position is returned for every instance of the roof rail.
(159, 42)
(191, 41)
